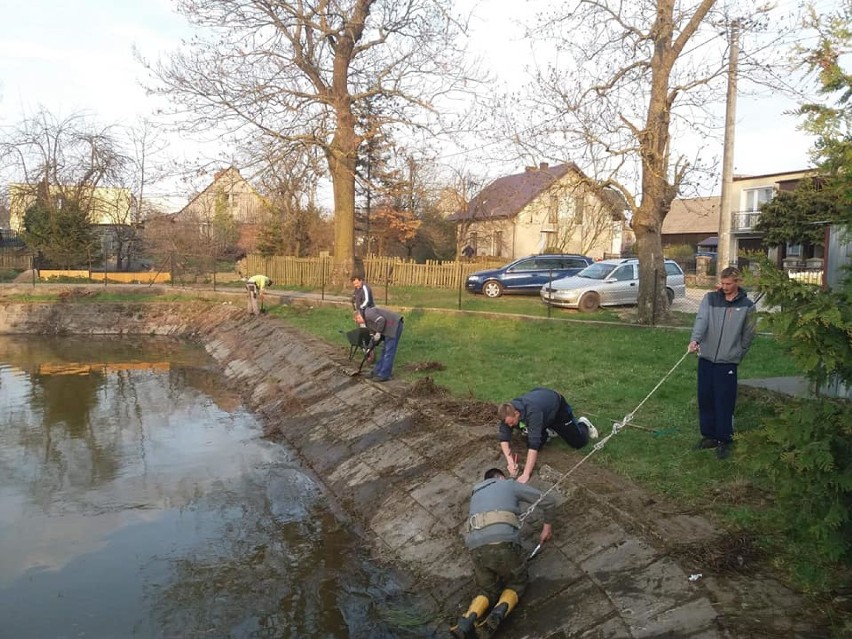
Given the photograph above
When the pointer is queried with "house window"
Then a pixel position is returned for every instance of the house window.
(566, 212)
(472, 241)
(497, 248)
(755, 197)
(579, 209)
(794, 250)
(553, 211)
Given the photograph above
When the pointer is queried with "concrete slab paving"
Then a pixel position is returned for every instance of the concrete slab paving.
(576, 608)
(399, 519)
(681, 621)
(628, 554)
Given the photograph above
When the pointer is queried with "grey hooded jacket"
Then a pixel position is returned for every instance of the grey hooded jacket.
(724, 330)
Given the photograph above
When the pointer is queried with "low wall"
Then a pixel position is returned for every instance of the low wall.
(124, 277)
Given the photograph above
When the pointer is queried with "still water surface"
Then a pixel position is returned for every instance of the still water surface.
(138, 499)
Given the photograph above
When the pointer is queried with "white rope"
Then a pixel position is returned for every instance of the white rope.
(617, 427)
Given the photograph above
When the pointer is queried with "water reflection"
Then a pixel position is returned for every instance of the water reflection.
(137, 499)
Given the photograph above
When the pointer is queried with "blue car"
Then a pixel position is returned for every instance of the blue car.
(526, 275)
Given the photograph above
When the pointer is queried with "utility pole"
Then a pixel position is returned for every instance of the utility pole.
(726, 256)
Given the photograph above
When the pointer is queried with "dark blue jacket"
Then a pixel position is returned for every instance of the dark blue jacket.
(539, 409)
(362, 298)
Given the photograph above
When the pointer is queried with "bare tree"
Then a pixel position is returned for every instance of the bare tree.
(628, 97)
(61, 169)
(584, 217)
(288, 176)
(464, 185)
(297, 70)
(142, 169)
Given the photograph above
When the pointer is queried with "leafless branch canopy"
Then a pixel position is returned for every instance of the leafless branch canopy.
(291, 68)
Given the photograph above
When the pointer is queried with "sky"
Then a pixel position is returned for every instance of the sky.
(78, 56)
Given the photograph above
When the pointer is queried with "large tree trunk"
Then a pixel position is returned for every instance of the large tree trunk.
(653, 303)
(343, 151)
(342, 168)
(657, 192)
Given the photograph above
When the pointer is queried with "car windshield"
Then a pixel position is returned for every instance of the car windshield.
(597, 271)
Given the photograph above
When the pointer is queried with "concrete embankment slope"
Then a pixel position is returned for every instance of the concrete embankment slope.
(403, 470)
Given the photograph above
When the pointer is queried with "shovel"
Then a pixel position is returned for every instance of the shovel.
(367, 354)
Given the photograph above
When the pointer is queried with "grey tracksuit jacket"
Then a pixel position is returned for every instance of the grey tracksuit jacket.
(724, 330)
(502, 494)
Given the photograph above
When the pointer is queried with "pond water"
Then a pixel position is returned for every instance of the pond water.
(138, 499)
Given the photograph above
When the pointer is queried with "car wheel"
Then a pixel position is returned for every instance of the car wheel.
(492, 289)
(670, 296)
(590, 302)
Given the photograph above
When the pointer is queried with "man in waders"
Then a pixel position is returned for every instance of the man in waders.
(385, 326)
(499, 561)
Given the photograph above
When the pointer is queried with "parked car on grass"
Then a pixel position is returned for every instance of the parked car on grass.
(526, 275)
(608, 283)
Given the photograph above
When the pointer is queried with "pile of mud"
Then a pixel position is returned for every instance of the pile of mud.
(469, 411)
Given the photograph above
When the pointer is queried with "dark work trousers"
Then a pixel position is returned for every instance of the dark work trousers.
(575, 435)
(251, 288)
(717, 397)
(499, 566)
(384, 366)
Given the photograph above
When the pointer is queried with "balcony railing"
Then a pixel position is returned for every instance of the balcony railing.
(744, 220)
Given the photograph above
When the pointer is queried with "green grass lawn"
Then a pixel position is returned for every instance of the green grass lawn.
(423, 297)
(604, 371)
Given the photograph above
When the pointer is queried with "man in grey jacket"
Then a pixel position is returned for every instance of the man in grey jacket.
(722, 335)
(385, 326)
(499, 561)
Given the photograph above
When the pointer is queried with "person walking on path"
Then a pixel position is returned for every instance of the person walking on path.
(256, 286)
(536, 412)
(362, 295)
(722, 334)
(499, 561)
(385, 326)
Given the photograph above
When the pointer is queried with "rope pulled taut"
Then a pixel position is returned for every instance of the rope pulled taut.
(617, 427)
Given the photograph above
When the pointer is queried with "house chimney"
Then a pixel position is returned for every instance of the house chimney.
(543, 166)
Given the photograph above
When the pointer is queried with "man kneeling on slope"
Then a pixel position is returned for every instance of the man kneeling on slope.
(536, 412)
(499, 561)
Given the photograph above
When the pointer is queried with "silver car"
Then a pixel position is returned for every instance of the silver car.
(608, 283)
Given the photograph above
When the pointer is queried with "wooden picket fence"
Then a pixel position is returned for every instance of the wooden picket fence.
(316, 271)
(15, 260)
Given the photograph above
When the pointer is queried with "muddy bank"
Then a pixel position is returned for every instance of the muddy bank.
(401, 460)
